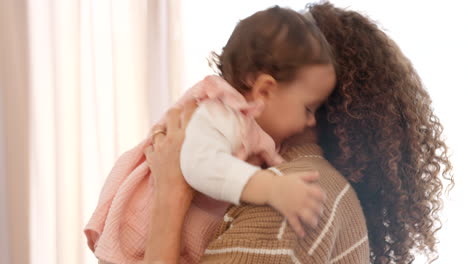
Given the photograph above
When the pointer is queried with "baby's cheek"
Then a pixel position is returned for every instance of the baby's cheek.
(299, 124)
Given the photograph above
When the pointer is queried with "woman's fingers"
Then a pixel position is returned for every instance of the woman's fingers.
(158, 134)
(149, 154)
(148, 151)
(179, 118)
(189, 109)
(173, 120)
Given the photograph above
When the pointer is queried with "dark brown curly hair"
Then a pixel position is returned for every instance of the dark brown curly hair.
(379, 130)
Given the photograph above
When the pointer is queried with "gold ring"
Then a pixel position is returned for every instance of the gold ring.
(159, 131)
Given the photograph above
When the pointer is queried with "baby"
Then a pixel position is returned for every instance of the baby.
(276, 70)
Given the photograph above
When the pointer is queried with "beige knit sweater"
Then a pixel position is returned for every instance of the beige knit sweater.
(259, 234)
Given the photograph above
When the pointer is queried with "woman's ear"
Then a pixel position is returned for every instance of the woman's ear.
(264, 87)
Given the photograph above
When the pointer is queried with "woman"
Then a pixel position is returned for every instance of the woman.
(378, 130)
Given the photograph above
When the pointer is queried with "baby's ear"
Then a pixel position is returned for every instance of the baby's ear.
(254, 108)
(264, 87)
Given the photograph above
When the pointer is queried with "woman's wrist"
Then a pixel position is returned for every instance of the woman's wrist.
(174, 197)
(167, 219)
(172, 205)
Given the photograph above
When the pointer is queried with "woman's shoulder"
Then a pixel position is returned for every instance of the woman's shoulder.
(310, 158)
(342, 200)
(341, 227)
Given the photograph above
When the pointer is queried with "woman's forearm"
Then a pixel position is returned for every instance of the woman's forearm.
(172, 194)
(166, 225)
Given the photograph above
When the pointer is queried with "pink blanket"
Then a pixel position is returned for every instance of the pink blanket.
(118, 229)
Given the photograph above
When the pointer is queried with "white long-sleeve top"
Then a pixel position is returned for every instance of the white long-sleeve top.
(207, 159)
(219, 138)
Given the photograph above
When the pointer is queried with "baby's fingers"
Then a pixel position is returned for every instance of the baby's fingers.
(310, 176)
(296, 225)
(309, 217)
(316, 193)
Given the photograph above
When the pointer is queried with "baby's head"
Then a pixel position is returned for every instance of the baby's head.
(280, 58)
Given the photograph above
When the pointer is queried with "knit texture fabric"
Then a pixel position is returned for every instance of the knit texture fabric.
(118, 229)
(259, 234)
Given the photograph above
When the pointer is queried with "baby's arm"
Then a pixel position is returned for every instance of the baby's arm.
(206, 157)
(208, 166)
(294, 195)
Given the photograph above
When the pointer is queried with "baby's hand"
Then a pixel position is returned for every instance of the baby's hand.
(298, 198)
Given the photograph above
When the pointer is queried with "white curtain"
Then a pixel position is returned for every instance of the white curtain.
(88, 104)
(94, 76)
(165, 55)
(14, 111)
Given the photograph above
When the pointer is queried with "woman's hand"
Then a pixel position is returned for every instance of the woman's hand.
(172, 194)
(163, 157)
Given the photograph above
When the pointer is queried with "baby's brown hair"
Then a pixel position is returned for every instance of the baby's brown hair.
(276, 41)
(378, 128)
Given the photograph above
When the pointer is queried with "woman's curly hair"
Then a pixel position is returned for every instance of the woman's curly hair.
(379, 130)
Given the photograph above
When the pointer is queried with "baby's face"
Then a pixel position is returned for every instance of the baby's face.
(292, 107)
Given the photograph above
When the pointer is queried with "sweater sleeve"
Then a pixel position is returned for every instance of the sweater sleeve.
(340, 237)
(259, 234)
(206, 158)
(341, 234)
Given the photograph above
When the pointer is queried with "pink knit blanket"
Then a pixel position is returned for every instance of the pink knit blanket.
(119, 227)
